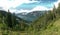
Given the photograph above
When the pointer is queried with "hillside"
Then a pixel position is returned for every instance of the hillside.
(31, 16)
(54, 30)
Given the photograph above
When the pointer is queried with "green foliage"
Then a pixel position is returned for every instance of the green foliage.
(8, 20)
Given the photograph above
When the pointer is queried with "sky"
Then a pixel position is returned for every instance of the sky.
(19, 6)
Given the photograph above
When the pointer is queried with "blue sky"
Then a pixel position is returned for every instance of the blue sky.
(45, 3)
(27, 5)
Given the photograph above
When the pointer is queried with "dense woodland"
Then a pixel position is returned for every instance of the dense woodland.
(10, 22)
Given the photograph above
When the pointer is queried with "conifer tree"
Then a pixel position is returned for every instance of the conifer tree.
(8, 19)
(58, 9)
(54, 12)
(13, 18)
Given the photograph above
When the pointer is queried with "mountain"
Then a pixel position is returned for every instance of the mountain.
(30, 16)
(4, 13)
(27, 17)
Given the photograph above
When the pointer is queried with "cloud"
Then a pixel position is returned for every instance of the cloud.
(6, 4)
(37, 8)
(56, 3)
(30, 1)
(19, 11)
(40, 8)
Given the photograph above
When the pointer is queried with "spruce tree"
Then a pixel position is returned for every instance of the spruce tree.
(58, 9)
(8, 19)
(54, 12)
(14, 21)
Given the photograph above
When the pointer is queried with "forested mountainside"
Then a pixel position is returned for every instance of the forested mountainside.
(10, 20)
(31, 16)
(47, 24)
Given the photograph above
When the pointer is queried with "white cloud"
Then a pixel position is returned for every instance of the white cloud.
(13, 10)
(28, 1)
(41, 8)
(6, 4)
(19, 11)
(37, 8)
(56, 3)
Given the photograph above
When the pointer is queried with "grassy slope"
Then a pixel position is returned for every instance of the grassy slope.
(51, 29)
(54, 30)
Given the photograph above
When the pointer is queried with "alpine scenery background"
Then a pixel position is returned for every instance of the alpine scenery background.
(29, 17)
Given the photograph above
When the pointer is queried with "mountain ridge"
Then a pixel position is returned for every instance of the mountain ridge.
(31, 16)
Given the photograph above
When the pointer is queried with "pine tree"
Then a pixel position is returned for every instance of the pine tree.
(0, 17)
(54, 12)
(8, 20)
(14, 21)
(58, 9)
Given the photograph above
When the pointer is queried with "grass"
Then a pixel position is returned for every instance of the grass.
(54, 30)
